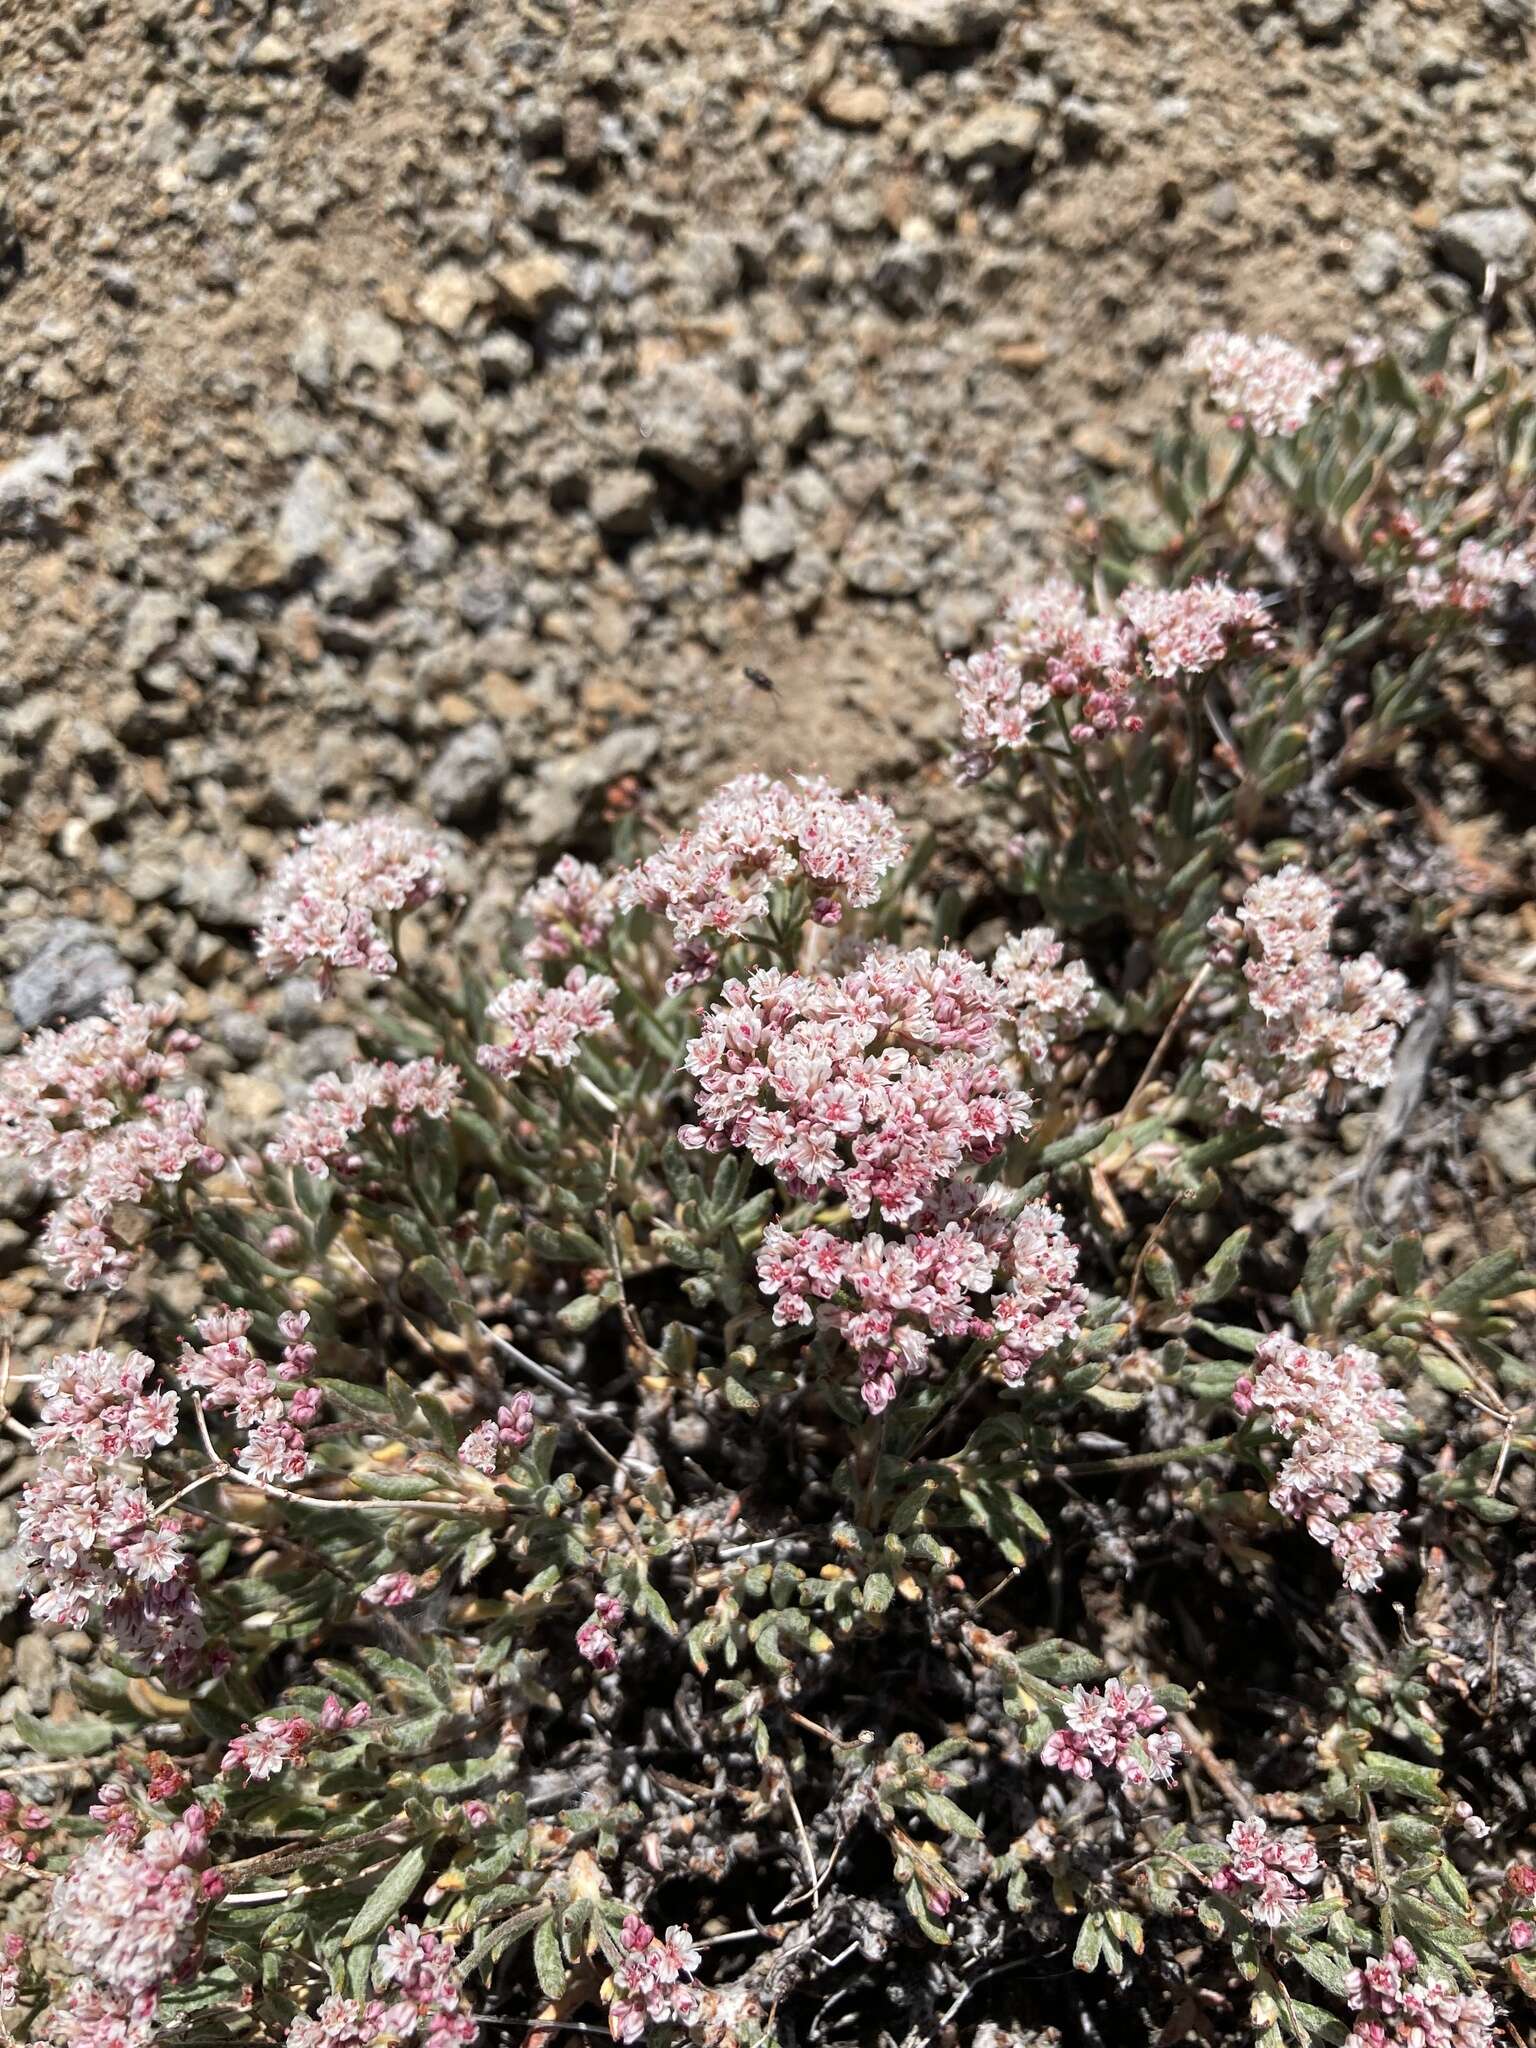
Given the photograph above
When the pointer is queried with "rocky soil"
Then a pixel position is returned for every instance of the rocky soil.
(404, 401)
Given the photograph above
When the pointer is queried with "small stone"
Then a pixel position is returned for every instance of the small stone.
(71, 967)
(1105, 450)
(1002, 136)
(361, 580)
(343, 61)
(29, 486)
(697, 426)
(1508, 1137)
(448, 298)
(1379, 264)
(564, 787)
(1323, 18)
(622, 501)
(314, 514)
(505, 359)
(218, 885)
(271, 53)
(936, 24)
(1487, 238)
(855, 106)
(770, 533)
(879, 573)
(311, 358)
(907, 276)
(464, 782)
(150, 628)
(960, 619)
(533, 285)
(368, 342)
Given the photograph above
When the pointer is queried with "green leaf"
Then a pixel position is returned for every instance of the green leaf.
(83, 1737)
(393, 1893)
(1219, 1275)
(548, 1962)
(1090, 1942)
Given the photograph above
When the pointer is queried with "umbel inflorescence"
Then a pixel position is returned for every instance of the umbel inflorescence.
(654, 1497)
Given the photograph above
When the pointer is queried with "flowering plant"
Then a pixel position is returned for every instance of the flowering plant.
(683, 1464)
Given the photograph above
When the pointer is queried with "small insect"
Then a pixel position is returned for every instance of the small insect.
(759, 681)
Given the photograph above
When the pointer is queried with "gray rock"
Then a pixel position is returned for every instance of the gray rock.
(218, 885)
(151, 627)
(464, 782)
(1324, 18)
(71, 966)
(698, 426)
(313, 516)
(770, 533)
(907, 276)
(879, 573)
(505, 359)
(960, 619)
(1379, 263)
(311, 359)
(623, 500)
(936, 24)
(368, 342)
(363, 577)
(1002, 136)
(31, 487)
(1484, 238)
(563, 788)
(1508, 1136)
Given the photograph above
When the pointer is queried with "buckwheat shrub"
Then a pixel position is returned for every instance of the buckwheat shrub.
(674, 1437)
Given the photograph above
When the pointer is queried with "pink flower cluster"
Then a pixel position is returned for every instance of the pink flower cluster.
(321, 1132)
(1118, 1728)
(1399, 2008)
(1191, 630)
(64, 1084)
(423, 2000)
(1260, 381)
(570, 909)
(892, 1300)
(324, 902)
(877, 1083)
(125, 1917)
(653, 1986)
(1264, 1873)
(509, 1429)
(1048, 997)
(547, 1025)
(1101, 667)
(89, 1535)
(81, 1104)
(1315, 1026)
(1473, 583)
(277, 1740)
(595, 1638)
(714, 884)
(96, 1405)
(230, 1373)
(1332, 1409)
